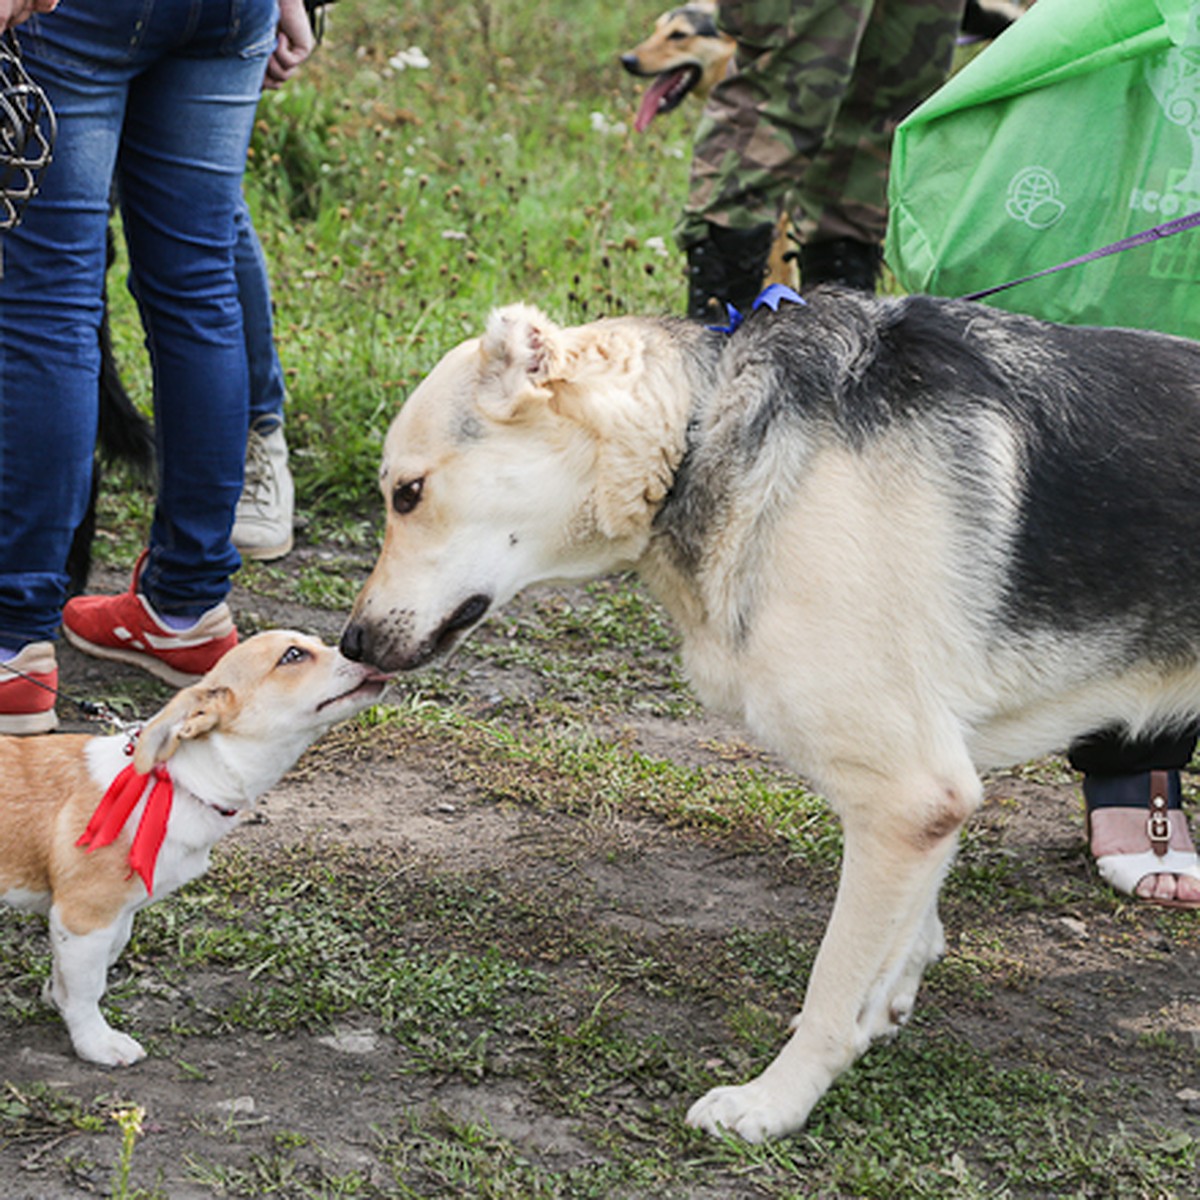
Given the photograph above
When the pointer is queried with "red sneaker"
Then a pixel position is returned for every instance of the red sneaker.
(125, 628)
(28, 685)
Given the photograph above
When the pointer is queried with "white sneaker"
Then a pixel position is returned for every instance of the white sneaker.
(262, 528)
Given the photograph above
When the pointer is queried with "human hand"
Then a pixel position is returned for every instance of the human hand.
(13, 12)
(294, 44)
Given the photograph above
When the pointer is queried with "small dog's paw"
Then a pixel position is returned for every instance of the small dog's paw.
(109, 1048)
(749, 1110)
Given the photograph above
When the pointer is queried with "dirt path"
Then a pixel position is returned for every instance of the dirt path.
(623, 912)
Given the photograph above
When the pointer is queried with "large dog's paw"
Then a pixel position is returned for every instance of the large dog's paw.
(751, 1110)
(108, 1047)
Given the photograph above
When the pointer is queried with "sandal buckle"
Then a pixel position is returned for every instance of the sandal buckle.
(1158, 825)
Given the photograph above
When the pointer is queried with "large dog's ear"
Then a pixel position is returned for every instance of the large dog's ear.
(522, 352)
(191, 714)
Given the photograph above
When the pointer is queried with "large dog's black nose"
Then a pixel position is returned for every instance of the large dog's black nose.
(354, 642)
(631, 64)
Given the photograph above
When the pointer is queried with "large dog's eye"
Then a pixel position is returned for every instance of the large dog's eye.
(407, 496)
(293, 654)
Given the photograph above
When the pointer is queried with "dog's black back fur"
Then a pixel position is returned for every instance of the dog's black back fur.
(1105, 425)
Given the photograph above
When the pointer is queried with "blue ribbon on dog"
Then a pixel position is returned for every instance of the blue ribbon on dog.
(770, 297)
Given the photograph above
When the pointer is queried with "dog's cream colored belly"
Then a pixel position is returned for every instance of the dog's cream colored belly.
(823, 633)
(1054, 708)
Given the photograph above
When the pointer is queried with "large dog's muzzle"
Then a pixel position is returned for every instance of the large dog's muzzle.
(388, 643)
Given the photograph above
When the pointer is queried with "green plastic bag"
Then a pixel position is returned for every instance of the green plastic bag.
(1078, 127)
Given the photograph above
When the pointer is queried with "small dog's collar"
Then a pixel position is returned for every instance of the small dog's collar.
(118, 803)
(222, 810)
(770, 297)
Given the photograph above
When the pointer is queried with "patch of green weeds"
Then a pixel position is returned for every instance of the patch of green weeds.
(570, 768)
(34, 1109)
(25, 953)
(774, 957)
(569, 646)
(278, 1174)
(978, 962)
(307, 952)
(436, 1155)
(931, 1116)
(331, 582)
(41, 1115)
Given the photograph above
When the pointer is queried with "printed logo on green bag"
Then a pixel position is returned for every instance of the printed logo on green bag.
(1175, 81)
(1033, 198)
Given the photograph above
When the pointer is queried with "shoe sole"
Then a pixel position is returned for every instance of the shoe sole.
(21, 724)
(147, 662)
(266, 553)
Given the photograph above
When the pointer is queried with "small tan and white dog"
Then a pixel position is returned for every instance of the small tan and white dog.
(67, 843)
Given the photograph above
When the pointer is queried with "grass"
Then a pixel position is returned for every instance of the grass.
(510, 992)
(398, 204)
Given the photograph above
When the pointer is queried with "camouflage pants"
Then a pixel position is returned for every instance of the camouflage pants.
(805, 123)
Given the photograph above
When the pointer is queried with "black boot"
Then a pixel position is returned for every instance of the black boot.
(841, 260)
(980, 22)
(727, 268)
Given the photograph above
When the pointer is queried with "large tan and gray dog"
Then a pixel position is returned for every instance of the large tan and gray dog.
(903, 539)
(220, 743)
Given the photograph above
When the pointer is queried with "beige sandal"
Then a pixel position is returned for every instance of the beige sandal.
(1123, 872)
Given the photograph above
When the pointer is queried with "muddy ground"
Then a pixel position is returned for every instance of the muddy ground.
(1094, 988)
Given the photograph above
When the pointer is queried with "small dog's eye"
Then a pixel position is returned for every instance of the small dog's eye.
(294, 654)
(677, 35)
(407, 496)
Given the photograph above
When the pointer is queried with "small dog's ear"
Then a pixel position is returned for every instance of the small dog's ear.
(193, 713)
(522, 347)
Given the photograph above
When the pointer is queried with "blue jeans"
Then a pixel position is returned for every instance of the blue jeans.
(160, 97)
(267, 389)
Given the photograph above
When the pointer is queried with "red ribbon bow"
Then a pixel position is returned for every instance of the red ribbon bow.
(114, 809)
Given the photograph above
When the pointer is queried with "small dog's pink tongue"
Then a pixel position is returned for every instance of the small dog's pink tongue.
(648, 109)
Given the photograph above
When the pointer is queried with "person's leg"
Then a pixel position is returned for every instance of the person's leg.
(841, 203)
(263, 525)
(1123, 781)
(180, 168)
(179, 171)
(267, 391)
(761, 128)
(50, 306)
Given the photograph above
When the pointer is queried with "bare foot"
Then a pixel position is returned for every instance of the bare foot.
(1123, 831)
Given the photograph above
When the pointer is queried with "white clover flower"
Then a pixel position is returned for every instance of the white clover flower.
(602, 125)
(413, 58)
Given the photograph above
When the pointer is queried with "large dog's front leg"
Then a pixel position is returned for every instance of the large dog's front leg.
(883, 932)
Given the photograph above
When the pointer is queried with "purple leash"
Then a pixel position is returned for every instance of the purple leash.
(1137, 239)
